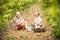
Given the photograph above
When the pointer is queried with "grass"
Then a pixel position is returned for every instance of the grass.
(10, 37)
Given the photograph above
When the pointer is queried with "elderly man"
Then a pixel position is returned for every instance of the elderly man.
(20, 23)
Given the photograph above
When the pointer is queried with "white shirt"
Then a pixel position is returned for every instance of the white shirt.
(38, 20)
(17, 20)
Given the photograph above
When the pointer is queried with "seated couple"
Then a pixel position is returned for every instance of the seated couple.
(22, 24)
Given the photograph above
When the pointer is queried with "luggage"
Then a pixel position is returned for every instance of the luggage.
(39, 29)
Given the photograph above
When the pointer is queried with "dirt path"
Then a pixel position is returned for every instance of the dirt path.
(23, 34)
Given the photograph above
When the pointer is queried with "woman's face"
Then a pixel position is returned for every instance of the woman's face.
(36, 15)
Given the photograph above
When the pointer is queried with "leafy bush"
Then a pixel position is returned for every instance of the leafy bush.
(9, 7)
(51, 9)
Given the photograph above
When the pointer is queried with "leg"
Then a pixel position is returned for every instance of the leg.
(24, 25)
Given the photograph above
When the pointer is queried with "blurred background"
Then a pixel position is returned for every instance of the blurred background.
(49, 10)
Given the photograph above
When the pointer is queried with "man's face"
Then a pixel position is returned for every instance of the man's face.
(18, 15)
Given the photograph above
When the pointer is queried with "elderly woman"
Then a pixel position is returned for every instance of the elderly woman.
(37, 20)
(38, 27)
(20, 23)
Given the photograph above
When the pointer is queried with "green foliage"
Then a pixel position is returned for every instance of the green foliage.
(51, 9)
(9, 7)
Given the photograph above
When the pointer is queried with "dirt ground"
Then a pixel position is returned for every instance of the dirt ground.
(23, 34)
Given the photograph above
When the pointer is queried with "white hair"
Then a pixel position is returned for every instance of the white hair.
(18, 13)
